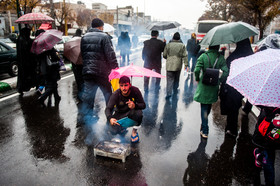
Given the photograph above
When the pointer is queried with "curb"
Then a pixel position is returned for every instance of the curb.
(11, 83)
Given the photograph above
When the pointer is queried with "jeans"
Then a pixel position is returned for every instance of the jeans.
(90, 88)
(205, 110)
(193, 57)
(268, 167)
(147, 79)
(173, 78)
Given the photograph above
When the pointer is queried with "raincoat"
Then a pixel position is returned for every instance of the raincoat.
(207, 94)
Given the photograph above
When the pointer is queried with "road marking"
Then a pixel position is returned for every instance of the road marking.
(17, 94)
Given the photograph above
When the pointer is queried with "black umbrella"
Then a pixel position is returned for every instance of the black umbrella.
(163, 25)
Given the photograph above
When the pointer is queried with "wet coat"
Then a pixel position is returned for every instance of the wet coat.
(26, 62)
(231, 99)
(98, 55)
(175, 54)
(207, 94)
(151, 53)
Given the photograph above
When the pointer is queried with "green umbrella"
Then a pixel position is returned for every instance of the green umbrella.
(229, 33)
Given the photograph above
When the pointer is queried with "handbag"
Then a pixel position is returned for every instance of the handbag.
(49, 61)
(211, 75)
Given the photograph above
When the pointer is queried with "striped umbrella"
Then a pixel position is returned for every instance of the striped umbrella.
(34, 18)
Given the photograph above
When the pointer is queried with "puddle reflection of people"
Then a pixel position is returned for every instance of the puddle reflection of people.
(197, 165)
(169, 128)
(188, 90)
(151, 112)
(127, 101)
(220, 167)
(45, 129)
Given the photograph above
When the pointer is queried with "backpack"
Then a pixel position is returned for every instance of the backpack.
(211, 75)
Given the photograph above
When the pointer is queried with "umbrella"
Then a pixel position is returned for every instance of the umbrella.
(108, 28)
(34, 18)
(257, 77)
(133, 71)
(229, 33)
(46, 41)
(271, 41)
(164, 25)
(72, 50)
(46, 26)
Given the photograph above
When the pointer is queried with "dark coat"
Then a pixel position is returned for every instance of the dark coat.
(193, 47)
(231, 99)
(98, 55)
(151, 53)
(26, 62)
(124, 43)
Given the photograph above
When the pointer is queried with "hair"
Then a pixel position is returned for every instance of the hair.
(96, 22)
(154, 33)
(194, 35)
(216, 47)
(78, 32)
(124, 79)
(176, 36)
(38, 32)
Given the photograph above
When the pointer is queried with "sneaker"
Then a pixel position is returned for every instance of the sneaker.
(203, 135)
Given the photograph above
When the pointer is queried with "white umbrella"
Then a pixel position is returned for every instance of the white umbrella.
(108, 28)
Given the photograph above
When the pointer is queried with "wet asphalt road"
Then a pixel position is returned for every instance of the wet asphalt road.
(49, 146)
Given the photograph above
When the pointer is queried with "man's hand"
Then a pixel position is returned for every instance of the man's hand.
(130, 104)
(113, 121)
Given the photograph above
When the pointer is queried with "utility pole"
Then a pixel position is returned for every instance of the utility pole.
(18, 14)
(118, 20)
(65, 19)
(52, 13)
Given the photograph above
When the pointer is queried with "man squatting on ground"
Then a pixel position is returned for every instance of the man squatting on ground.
(127, 101)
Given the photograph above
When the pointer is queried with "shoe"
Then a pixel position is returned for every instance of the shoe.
(205, 136)
(135, 139)
(258, 157)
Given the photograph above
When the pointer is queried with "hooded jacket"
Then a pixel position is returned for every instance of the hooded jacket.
(98, 55)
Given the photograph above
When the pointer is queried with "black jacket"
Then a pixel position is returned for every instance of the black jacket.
(231, 99)
(151, 53)
(98, 55)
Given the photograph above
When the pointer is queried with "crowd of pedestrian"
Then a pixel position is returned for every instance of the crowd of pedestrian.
(98, 59)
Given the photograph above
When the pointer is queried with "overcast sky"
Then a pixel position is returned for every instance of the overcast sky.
(186, 12)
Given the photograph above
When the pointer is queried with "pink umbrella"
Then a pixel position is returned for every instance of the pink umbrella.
(257, 77)
(46, 41)
(46, 26)
(34, 18)
(133, 71)
(72, 50)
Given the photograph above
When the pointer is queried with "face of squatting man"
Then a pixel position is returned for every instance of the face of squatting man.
(125, 88)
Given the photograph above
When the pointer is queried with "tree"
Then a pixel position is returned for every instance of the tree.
(262, 11)
(84, 17)
(26, 5)
(107, 18)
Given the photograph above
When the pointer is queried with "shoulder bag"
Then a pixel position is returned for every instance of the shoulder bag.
(211, 75)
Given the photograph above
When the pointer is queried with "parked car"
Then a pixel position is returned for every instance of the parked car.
(8, 60)
(9, 42)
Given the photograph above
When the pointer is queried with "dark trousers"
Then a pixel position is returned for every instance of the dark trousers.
(173, 78)
(50, 88)
(147, 79)
(205, 110)
(90, 88)
(77, 70)
(193, 57)
(232, 121)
